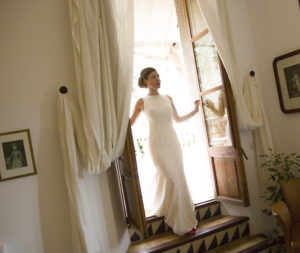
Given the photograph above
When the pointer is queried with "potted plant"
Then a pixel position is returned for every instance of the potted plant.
(279, 167)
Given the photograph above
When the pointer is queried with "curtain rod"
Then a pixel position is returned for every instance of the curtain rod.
(63, 89)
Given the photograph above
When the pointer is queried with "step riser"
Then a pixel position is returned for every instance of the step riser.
(213, 241)
(157, 227)
(273, 249)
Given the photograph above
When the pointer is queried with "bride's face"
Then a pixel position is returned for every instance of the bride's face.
(153, 81)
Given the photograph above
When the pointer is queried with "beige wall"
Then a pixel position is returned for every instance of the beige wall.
(275, 28)
(35, 60)
(263, 30)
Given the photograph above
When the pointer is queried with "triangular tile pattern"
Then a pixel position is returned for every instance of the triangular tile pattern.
(150, 231)
(191, 249)
(159, 226)
(224, 240)
(217, 211)
(236, 235)
(246, 231)
(211, 241)
(214, 244)
(196, 244)
(202, 247)
(207, 214)
(135, 237)
(198, 215)
(185, 248)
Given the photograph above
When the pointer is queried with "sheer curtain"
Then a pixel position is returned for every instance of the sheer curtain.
(93, 133)
(250, 110)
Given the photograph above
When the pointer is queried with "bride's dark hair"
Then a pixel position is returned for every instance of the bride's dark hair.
(144, 75)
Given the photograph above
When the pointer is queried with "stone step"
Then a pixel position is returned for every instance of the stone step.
(210, 234)
(156, 225)
(250, 244)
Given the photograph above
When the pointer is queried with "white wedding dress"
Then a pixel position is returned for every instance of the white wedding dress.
(171, 196)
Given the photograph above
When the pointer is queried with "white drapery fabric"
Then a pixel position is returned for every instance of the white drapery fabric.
(88, 225)
(251, 114)
(102, 34)
(93, 133)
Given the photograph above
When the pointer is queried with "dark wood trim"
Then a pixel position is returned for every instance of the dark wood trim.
(137, 223)
(199, 234)
(206, 203)
(235, 136)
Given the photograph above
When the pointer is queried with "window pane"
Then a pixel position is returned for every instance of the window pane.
(197, 23)
(216, 119)
(207, 63)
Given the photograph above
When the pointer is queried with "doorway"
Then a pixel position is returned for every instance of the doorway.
(157, 44)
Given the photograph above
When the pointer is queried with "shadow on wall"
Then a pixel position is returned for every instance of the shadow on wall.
(118, 233)
(52, 191)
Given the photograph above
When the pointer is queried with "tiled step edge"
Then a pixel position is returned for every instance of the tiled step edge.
(157, 225)
(267, 244)
(201, 234)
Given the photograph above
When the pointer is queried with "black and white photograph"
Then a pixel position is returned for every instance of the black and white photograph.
(287, 75)
(16, 156)
(292, 76)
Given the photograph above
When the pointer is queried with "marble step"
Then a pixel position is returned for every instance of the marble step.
(156, 225)
(210, 234)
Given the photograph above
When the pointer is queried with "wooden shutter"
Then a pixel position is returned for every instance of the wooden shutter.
(205, 69)
(130, 187)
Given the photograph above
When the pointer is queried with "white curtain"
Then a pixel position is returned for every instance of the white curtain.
(88, 224)
(93, 133)
(216, 16)
(102, 33)
(250, 110)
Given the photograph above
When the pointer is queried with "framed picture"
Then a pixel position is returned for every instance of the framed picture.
(287, 75)
(16, 156)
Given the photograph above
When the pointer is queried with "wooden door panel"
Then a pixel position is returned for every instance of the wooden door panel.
(131, 187)
(225, 170)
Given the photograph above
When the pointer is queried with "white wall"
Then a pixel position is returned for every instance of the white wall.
(263, 30)
(35, 60)
(275, 28)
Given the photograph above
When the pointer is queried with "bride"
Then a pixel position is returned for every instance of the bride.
(171, 194)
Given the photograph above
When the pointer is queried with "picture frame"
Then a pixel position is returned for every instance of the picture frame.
(287, 75)
(16, 155)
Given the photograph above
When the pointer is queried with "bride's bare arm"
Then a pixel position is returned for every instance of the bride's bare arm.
(138, 108)
(178, 118)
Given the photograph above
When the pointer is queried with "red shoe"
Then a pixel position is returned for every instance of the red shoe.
(192, 232)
